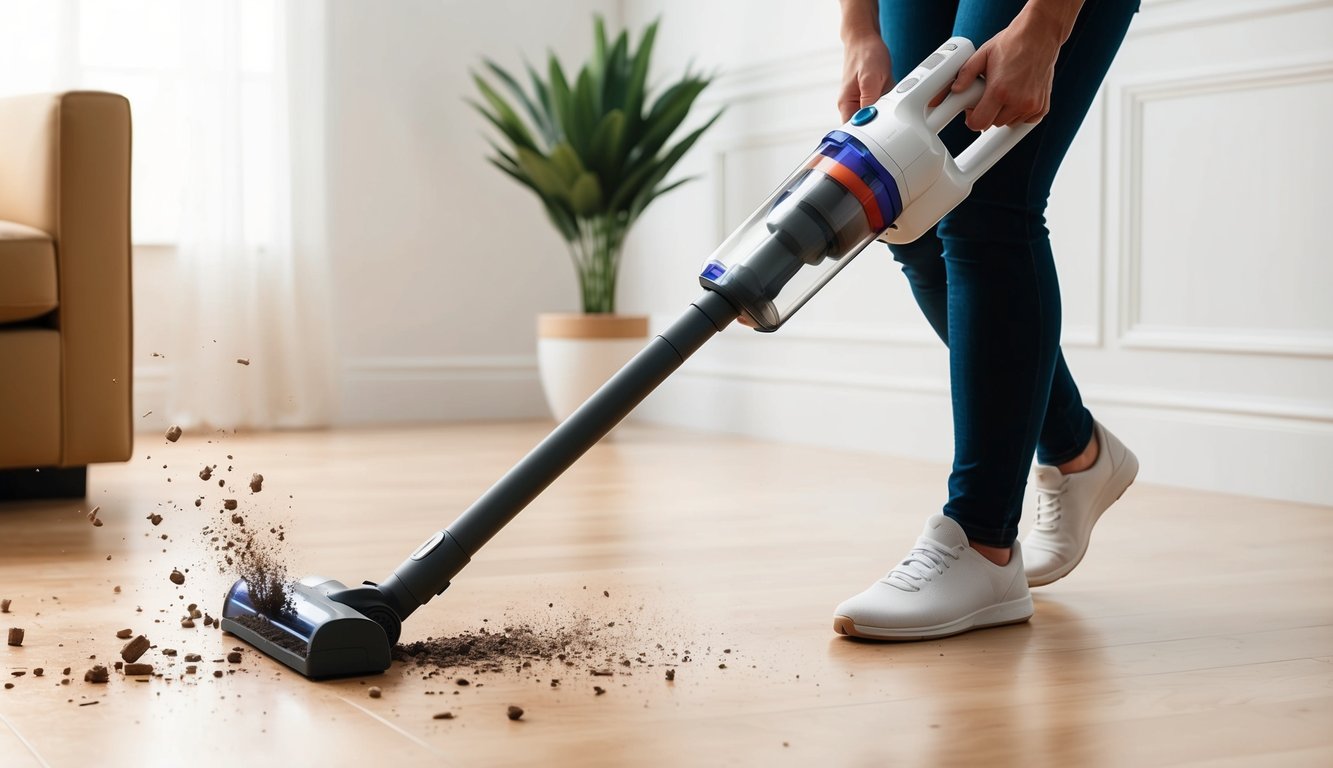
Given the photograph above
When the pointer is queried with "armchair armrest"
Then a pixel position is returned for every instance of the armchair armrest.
(65, 169)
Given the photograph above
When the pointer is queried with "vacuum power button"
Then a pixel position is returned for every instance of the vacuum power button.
(429, 546)
(864, 115)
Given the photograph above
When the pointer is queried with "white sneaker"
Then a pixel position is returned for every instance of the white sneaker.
(1068, 506)
(943, 587)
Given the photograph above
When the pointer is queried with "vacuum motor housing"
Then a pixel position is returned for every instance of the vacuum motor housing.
(884, 174)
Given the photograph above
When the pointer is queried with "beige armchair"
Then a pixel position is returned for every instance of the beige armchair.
(65, 326)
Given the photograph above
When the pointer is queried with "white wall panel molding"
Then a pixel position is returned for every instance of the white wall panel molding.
(1134, 331)
(1162, 16)
(776, 76)
(1173, 400)
(440, 388)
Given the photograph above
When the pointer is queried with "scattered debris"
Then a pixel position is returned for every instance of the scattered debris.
(117, 589)
(15, 636)
(174, 433)
(90, 703)
(375, 692)
(217, 673)
(4, 605)
(229, 504)
(234, 657)
(125, 634)
(243, 360)
(443, 716)
(598, 690)
(193, 657)
(38, 672)
(600, 672)
(177, 577)
(671, 674)
(187, 623)
(206, 473)
(155, 518)
(92, 517)
(98, 674)
(138, 670)
(514, 712)
(256, 483)
(134, 649)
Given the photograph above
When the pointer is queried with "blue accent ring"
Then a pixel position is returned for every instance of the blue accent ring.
(847, 150)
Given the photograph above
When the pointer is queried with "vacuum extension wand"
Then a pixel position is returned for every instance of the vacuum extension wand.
(882, 175)
(428, 570)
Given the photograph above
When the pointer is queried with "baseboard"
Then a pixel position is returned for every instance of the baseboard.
(388, 390)
(1229, 450)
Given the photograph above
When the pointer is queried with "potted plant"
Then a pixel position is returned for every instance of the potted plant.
(596, 150)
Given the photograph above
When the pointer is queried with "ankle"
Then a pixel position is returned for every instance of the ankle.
(1082, 461)
(997, 555)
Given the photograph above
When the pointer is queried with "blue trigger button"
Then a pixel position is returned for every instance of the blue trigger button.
(864, 115)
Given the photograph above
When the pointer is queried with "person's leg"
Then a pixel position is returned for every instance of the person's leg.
(913, 30)
(1003, 296)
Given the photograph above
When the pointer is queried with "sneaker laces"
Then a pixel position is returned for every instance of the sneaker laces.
(926, 559)
(1048, 507)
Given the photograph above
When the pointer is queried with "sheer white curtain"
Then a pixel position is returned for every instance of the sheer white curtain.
(227, 102)
(251, 250)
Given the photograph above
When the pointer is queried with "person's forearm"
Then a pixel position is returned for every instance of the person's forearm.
(1056, 17)
(860, 18)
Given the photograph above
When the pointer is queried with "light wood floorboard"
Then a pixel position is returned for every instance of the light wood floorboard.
(1198, 630)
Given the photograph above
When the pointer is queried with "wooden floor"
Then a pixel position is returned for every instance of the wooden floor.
(1199, 630)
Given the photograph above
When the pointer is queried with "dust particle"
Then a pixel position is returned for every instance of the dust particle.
(375, 692)
(514, 712)
(176, 577)
(174, 433)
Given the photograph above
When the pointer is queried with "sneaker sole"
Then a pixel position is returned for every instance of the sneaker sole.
(1130, 468)
(1012, 612)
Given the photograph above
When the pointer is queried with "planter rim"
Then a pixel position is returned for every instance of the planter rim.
(581, 325)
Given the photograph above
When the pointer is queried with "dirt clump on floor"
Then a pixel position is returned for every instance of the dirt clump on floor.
(4, 605)
(174, 433)
(15, 636)
(514, 712)
(256, 483)
(134, 649)
(491, 650)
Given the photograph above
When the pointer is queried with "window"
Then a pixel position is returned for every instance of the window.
(174, 61)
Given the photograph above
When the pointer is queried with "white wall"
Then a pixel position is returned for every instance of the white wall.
(439, 261)
(1190, 222)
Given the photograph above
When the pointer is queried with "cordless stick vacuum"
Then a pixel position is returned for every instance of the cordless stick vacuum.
(884, 174)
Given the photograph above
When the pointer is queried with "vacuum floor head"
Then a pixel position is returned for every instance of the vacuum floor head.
(318, 637)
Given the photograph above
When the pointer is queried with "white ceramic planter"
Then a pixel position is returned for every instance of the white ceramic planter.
(577, 353)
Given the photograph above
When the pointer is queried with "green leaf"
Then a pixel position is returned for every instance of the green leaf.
(604, 150)
(516, 137)
(586, 195)
(543, 173)
(668, 112)
(652, 173)
(616, 79)
(563, 219)
(540, 118)
(503, 111)
(636, 89)
(561, 99)
(567, 162)
(586, 109)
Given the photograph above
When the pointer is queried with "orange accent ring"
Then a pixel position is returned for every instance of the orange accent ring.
(844, 176)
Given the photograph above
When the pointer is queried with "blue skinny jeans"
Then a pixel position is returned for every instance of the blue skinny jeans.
(985, 276)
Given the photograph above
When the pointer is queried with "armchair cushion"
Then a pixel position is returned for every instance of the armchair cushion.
(27, 273)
